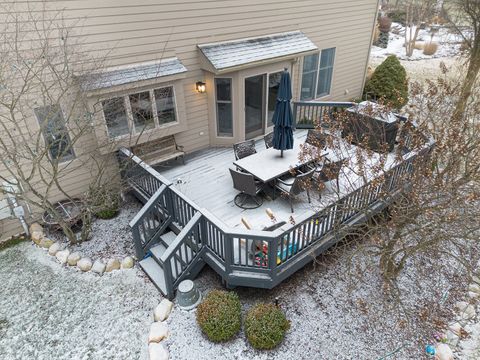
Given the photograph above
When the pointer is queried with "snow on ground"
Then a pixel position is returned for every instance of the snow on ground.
(449, 44)
(110, 238)
(49, 313)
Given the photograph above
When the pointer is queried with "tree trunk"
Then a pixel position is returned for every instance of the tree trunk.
(468, 85)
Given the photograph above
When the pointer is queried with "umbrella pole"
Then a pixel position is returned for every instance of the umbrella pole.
(281, 153)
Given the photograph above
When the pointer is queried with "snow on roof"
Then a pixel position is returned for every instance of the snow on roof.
(131, 73)
(224, 55)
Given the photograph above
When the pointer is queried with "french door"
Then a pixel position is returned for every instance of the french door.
(260, 97)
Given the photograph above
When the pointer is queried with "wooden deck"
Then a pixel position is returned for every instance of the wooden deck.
(205, 180)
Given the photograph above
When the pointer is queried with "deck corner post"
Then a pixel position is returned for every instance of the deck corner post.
(228, 254)
(137, 242)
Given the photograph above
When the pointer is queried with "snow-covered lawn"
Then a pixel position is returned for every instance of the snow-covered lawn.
(52, 312)
(449, 44)
(49, 312)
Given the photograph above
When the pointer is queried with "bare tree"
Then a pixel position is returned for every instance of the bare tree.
(418, 13)
(47, 137)
(466, 14)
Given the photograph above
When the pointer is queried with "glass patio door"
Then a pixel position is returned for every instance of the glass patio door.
(254, 106)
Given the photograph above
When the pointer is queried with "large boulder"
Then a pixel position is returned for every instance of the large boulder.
(84, 264)
(46, 243)
(156, 351)
(158, 332)
(74, 258)
(35, 227)
(62, 256)
(474, 287)
(128, 263)
(163, 310)
(54, 248)
(98, 267)
(37, 236)
(443, 352)
(112, 264)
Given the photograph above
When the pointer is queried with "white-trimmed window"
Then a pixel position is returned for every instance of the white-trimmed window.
(223, 100)
(138, 112)
(55, 133)
(317, 74)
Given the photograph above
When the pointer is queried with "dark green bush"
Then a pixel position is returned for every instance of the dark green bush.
(388, 83)
(265, 326)
(219, 315)
(107, 213)
(105, 201)
(398, 16)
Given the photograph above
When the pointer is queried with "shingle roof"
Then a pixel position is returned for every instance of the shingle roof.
(229, 54)
(108, 78)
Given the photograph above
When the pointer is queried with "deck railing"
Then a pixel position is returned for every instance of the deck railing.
(229, 251)
(309, 114)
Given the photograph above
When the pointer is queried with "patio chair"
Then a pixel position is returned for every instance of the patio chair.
(249, 189)
(268, 140)
(329, 171)
(316, 138)
(293, 186)
(244, 149)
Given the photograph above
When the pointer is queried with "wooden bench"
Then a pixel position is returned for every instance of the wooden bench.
(159, 151)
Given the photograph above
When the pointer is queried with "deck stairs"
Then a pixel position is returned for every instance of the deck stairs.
(186, 263)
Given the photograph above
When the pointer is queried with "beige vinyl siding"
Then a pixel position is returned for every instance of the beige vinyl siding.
(128, 32)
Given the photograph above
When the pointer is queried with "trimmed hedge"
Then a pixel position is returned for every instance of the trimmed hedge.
(220, 315)
(388, 83)
(265, 326)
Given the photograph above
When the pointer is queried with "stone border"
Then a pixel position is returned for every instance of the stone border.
(65, 256)
(159, 331)
(458, 330)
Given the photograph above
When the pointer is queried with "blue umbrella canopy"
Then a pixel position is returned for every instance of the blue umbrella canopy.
(283, 117)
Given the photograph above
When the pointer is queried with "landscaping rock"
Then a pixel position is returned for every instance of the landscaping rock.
(163, 310)
(128, 263)
(46, 243)
(98, 267)
(54, 248)
(443, 352)
(473, 287)
(466, 310)
(158, 332)
(452, 338)
(473, 295)
(157, 351)
(455, 328)
(73, 258)
(62, 256)
(84, 264)
(112, 264)
(37, 236)
(35, 227)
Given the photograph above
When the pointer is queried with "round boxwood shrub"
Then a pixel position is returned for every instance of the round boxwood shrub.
(265, 326)
(220, 315)
(388, 83)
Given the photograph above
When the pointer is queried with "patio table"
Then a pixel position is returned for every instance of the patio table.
(267, 165)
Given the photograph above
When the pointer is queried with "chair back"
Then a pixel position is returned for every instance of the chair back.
(243, 182)
(330, 170)
(244, 149)
(301, 182)
(316, 138)
(268, 140)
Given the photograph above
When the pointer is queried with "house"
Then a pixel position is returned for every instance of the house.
(204, 72)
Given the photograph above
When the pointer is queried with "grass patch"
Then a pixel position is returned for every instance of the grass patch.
(12, 242)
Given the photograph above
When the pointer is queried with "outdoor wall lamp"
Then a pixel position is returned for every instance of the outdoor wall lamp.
(200, 86)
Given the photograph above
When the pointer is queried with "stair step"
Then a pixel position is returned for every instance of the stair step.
(158, 250)
(155, 272)
(168, 238)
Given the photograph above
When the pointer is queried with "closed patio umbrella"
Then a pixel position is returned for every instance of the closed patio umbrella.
(283, 117)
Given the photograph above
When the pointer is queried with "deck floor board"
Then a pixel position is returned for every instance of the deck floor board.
(205, 179)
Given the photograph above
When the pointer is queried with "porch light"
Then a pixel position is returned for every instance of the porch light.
(200, 86)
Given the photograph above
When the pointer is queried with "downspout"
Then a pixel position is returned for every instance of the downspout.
(370, 47)
(18, 210)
